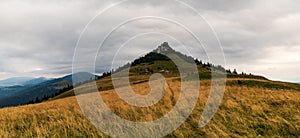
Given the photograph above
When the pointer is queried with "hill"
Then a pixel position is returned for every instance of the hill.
(158, 61)
(253, 106)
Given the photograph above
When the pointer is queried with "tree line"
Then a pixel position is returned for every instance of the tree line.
(47, 97)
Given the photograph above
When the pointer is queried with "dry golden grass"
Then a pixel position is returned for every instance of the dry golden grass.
(244, 112)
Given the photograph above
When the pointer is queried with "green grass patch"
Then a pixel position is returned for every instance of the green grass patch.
(265, 84)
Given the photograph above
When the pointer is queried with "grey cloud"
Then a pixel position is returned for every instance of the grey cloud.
(43, 34)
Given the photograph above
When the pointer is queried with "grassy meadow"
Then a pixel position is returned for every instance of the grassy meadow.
(250, 108)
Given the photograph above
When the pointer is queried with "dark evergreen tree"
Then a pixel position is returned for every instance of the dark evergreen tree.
(234, 71)
(228, 71)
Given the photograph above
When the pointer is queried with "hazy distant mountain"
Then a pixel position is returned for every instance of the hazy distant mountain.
(13, 85)
(21, 81)
(80, 77)
(14, 81)
(9, 90)
(46, 88)
(36, 81)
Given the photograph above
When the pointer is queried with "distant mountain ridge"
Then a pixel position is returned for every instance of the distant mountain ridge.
(14, 81)
(22, 81)
(9, 90)
(36, 81)
(44, 89)
(13, 85)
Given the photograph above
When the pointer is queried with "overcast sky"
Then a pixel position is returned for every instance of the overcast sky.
(38, 37)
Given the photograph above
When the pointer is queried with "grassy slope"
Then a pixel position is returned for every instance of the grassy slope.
(252, 106)
(245, 111)
(137, 75)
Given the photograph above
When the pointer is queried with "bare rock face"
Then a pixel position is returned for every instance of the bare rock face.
(163, 48)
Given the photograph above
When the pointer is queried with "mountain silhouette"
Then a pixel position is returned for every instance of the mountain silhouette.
(45, 89)
(14, 81)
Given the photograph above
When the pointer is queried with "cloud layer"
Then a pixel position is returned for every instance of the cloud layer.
(38, 38)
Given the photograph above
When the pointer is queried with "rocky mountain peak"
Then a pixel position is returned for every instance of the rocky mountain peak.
(163, 48)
